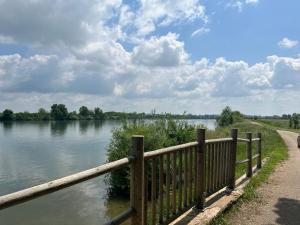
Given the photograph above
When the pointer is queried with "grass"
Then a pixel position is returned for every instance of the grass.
(278, 124)
(273, 147)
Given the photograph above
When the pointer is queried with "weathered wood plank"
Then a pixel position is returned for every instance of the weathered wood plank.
(234, 133)
(190, 190)
(55, 185)
(155, 153)
(153, 191)
(168, 173)
(259, 150)
(209, 174)
(200, 198)
(137, 180)
(195, 172)
(180, 181)
(185, 187)
(161, 188)
(249, 155)
(145, 193)
(174, 182)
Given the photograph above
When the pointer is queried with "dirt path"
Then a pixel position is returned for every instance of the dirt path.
(279, 198)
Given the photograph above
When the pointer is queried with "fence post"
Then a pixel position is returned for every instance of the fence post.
(200, 192)
(249, 154)
(137, 180)
(258, 165)
(234, 133)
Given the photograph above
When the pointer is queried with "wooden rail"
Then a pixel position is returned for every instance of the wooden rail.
(249, 140)
(178, 178)
(55, 185)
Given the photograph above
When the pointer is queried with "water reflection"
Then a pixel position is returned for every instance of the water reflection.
(58, 128)
(84, 125)
(7, 125)
(98, 124)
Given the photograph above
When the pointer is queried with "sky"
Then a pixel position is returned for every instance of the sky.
(138, 55)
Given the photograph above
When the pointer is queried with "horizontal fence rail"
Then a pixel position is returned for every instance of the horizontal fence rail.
(55, 185)
(165, 182)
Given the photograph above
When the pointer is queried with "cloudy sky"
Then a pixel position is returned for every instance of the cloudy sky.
(136, 55)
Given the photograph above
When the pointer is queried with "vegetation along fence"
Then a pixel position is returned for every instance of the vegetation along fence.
(165, 182)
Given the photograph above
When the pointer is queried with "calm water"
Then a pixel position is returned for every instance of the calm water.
(36, 152)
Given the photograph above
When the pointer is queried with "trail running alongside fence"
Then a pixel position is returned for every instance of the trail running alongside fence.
(279, 198)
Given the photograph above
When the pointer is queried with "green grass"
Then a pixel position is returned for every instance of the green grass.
(277, 124)
(273, 148)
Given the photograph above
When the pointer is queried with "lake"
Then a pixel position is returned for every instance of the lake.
(32, 153)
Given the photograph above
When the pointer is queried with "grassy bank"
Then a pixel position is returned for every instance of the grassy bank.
(277, 124)
(273, 147)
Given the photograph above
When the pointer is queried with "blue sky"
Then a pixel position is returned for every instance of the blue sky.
(173, 55)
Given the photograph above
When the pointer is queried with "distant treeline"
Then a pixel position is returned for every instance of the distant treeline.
(60, 112)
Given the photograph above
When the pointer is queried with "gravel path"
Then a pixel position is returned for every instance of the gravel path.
(279, 198)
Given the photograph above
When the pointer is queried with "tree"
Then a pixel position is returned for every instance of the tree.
(84, 111)
(43, 114)
(237, 116)
(25, 116)
(226, 117)
(98, 114)
(290, 122)
(295, 120)
(73, 116)
(59, 112)
(7, 115)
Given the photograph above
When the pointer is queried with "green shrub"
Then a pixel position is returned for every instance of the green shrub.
(228, 117)
(157, 134)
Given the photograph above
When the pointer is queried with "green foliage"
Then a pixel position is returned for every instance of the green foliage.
(7, 115)
(229, 117)
(159, 134)
(43, 114)
(84, 112)
(285, 124)
(294, 121)
(73, 116)
(98, 114)
(237, 116)
(25, 116)
(226, 117)
(59, 112)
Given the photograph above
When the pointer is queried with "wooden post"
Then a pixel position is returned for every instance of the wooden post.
(249, 154)
(137, 180)
(258, 165)
(200, 192)
(233, 147)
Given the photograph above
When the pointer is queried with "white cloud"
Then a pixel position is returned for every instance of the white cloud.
(54, 22)
(160, 13)
(90, 71)
(163, 51)
(287, 43)
(286, 72)
(241, 4)
(200, 31)
(251, 1)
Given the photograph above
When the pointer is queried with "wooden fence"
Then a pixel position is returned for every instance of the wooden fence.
(166, 182)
